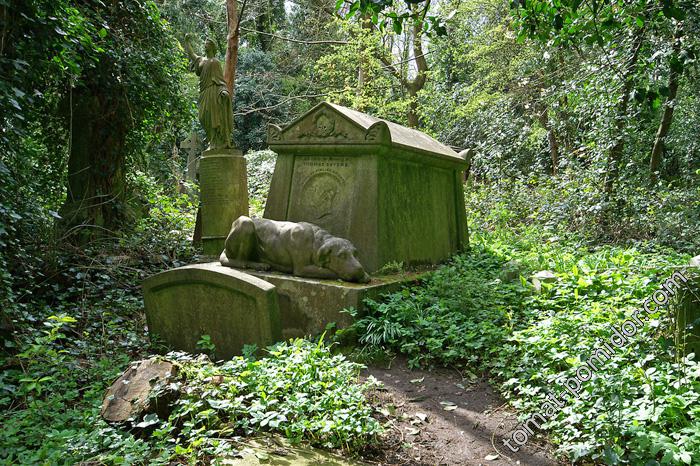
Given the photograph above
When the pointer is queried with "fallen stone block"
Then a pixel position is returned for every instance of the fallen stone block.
(141, 389)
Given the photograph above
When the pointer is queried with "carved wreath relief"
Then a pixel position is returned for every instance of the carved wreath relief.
(324, 126)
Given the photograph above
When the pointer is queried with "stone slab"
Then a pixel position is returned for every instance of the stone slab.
(224, 195)
(232, 307)
(129, 397)
(308, 305)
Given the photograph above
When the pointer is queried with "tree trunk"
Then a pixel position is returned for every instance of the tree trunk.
(96, 194)
(415, 85)
(232, 43)
(552, 140)
(366, 25)
(615, 154)
(412, 86)
(667, 118)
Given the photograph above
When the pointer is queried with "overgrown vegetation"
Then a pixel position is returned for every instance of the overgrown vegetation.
(639, 407)
(582, 120)
(299, 390)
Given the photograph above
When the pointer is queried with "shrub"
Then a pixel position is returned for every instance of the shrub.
(261, 166)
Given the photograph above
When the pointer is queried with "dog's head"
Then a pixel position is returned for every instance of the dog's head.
(340, 256)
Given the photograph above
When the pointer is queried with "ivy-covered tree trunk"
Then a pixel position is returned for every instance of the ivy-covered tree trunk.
(669, 107)
(615, 154)
(96, 195)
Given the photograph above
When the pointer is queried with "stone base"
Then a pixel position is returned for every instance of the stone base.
(308, 305)
(238, 307)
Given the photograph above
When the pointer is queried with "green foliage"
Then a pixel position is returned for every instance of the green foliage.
(393, 15)
(438, 323)
(257, 100)
(637, 408)
(94, 81)
(261, 166)
(166, 226)
(633, 409)
(379, 94)
(570, 22)
(299, 390)
(572, 203)
(205, 344)
(77, 319)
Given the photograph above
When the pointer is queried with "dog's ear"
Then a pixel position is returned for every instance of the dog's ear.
(324, 254)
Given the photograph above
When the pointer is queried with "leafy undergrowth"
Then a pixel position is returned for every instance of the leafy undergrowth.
(52, 384)
(641, 407)
(299, 390)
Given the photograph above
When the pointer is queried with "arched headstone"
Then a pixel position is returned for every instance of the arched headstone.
(230, 306)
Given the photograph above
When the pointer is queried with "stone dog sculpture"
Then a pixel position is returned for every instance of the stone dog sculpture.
(301, 249)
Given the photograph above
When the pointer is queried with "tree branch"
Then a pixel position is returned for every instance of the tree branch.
(296, 41)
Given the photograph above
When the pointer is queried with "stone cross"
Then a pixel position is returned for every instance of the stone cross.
(191, 145)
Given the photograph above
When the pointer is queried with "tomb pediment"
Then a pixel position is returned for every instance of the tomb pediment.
(330, 124)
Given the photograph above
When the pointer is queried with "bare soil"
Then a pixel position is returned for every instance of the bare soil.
(440, 418)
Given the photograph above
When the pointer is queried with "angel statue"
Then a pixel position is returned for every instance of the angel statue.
(215, 112)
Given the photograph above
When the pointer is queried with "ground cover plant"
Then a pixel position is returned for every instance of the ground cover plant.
(72, 335)
(640, 408)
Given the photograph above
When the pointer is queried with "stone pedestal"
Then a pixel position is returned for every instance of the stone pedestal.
(308, 305)
(224, 193)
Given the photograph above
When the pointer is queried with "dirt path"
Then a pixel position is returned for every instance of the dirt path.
(440, 419)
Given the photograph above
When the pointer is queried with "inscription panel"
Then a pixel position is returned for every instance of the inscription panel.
(224, 195)
(322, 192)
(217, 188)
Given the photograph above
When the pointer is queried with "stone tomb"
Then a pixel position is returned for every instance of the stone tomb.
(394, 192)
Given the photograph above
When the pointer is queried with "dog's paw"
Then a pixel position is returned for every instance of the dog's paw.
(260, 267)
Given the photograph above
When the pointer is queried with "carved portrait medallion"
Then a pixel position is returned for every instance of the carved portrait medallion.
(319, 196)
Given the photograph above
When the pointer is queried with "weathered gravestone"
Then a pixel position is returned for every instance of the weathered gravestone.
(224, 195)
(394, 192)
(191, 146)
(687, 308)
(232, 307)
